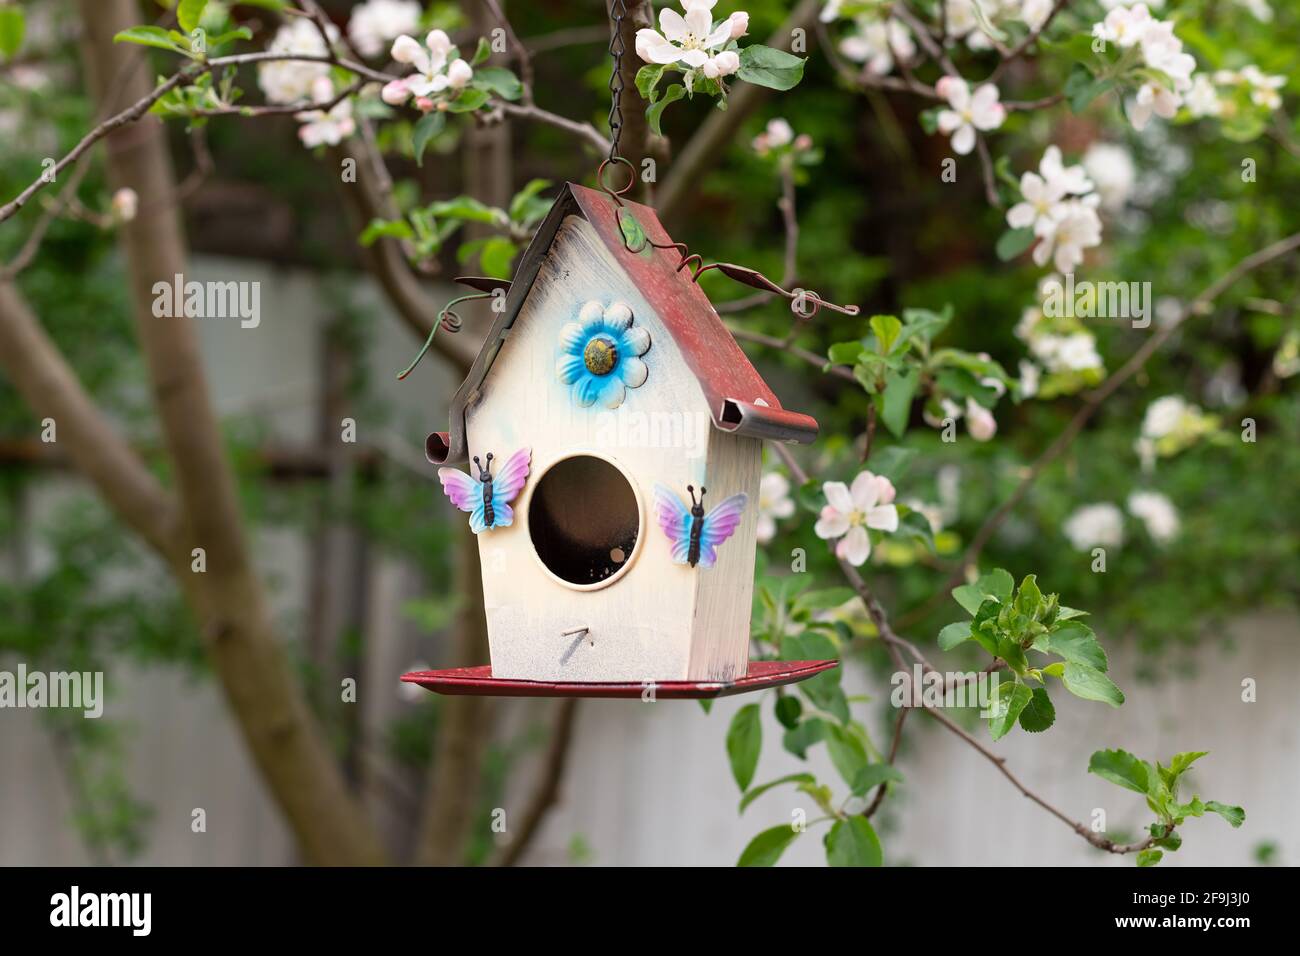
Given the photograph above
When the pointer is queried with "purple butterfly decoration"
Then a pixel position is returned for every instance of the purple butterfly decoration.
(487, 498)
(695, 535)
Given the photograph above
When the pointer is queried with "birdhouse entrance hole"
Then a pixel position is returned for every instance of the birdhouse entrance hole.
(585, 520)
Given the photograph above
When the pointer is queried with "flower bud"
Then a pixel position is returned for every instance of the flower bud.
(459, 73)
(125, 203)
(395, 93)
(406, 50)
(728, 62)
(739, 23)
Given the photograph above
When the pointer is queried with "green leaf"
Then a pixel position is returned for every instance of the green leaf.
(788, 711)
(765, 66)
(798, 739)
(872, 776)
(499, 81)
(823, 599)
(1179, 763)
(1171, 840)
(1064, 613)
(1029, 598)
(519, 205)
(954, 634)
(655, 111)
(896, 402)
(1007, 703)
(997, 583)
(429, 126)
(1091, 684)
(1121, 768)
(853, 842)
(12, 27)
(846, 752)
(969, 597)
(468, 100)
(1076, 642)
(481, 52)
(1149, 857)
(766, 848)
(1234, 815)
(498, 252)
(1081, 87)
(647, 78)
(189, 13)
(886, 329)
(844, 353)
(385, 229)
(761, 789)
(744, 742)
(1013, 242)
(239, 33)
(148, 36)
(1039, 713)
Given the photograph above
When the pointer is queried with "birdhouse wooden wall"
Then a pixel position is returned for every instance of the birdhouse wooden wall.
(551, 574)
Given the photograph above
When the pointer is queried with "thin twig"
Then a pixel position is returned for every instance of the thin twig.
(521, 52)
(895, 644)
(893, 753)
(812, 358)
(1019, 49)
(1092, 402)
(548, 786)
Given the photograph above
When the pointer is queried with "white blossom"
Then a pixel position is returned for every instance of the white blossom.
(1074, 226)
(1111, 168)
(850, 512)
(125, 203)
(288, 81)
(1156, 512)
(374, 24)
(321, 127)
(692, 41)
(1029, 378)
(776, 134)
(774, 503)
(875, 43)
(1044, 191)
(968, 111)
(980, 422)
(433, 74)
(1098, 525)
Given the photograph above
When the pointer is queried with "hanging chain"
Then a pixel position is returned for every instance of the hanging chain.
(617, 13)
(803, 303)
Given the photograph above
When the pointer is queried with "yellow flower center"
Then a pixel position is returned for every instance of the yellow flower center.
(600, 356)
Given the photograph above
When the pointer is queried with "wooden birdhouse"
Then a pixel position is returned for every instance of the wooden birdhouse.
(614, 429)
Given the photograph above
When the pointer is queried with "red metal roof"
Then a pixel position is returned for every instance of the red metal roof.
(740, 402)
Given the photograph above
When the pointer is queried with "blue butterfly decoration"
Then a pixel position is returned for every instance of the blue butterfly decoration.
(694, 534)
(487, 498)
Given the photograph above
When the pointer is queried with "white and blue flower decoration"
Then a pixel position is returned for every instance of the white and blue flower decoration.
(600, 354)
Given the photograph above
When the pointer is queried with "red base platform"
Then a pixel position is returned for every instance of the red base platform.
(479, 681)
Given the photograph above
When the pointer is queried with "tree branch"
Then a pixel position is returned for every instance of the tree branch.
(894, 644)
(703, 149)
(547, 792)
(284, 738)
(1200, 305)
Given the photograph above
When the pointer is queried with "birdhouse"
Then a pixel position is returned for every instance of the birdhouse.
(613, 430)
